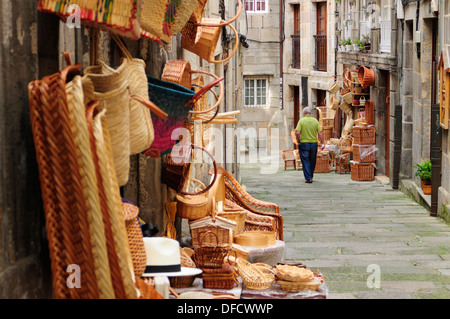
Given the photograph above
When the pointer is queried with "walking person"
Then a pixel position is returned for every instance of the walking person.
(307, 131)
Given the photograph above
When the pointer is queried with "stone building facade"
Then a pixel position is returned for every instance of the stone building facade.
(259, 94)
(308, 56)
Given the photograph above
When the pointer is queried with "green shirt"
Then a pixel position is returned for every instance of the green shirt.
(308, 127)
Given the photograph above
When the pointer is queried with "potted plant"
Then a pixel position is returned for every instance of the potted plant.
(366, 42)
(356, 46)
(424, 173)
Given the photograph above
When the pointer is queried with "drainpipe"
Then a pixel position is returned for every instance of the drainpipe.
(281, 53)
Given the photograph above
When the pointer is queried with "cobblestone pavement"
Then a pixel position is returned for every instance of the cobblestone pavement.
(368, 240)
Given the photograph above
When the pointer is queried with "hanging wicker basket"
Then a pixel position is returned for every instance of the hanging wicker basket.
(366, 76)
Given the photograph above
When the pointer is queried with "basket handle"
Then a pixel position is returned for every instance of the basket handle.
(123, 49)
(224, 23)
(236, 44)
(150, 105)
(201, 238)
(215, 171)
(203, 91)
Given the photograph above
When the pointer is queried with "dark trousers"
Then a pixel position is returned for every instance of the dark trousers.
(308, 154)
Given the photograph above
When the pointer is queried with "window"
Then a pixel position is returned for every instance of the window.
(256, 5)
(296, 38)
(385, 26)
(255, 92)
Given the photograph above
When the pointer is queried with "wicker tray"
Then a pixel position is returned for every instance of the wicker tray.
(299, 285)
(293, 273)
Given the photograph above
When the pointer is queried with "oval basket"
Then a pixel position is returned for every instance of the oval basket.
(253, 277)
(366, 76)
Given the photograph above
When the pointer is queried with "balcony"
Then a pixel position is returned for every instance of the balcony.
(296, 57)
(321, 52)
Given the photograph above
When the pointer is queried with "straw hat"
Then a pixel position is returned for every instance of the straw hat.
(164, 258)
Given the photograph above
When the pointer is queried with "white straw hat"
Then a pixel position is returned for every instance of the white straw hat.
(164, 258)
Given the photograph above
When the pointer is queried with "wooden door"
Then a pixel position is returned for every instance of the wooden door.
(296, 105)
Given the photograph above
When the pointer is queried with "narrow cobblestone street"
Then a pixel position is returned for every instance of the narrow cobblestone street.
(349, 230)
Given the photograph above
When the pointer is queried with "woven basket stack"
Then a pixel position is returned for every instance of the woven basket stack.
(363, 164)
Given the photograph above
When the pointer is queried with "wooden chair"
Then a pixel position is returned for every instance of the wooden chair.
(289, 159)
(235, 194)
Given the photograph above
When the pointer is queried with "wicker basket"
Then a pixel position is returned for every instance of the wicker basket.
(220, 278)
(253, 277)
(256, 238)
(327, 133)
(293, 273)
(345, 107)
(210, 256)
(238, 217)
(207, 37)
(179, 72)
(294, 286)
(322, 164)
(223, 228)
(364, 153)
(192, 206)
(135, 238)
(362, 171)
(363, 135)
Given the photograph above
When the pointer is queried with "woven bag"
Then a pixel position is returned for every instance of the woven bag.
(152, 18)
(108, 188)
(115, 100)
(119, 16)
(176, 101)
(180, 72)
(141, 126)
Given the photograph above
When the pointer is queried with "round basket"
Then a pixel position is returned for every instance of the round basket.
(348, 97)
(366, 76)
(253, 277)
(192, 206)
(293, 273)
(256, 238)
(181, 281)
(345, 107)
(334, 102)
(335, 86)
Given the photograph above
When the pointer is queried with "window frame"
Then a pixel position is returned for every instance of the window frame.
(254, 5)
(255, 92)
